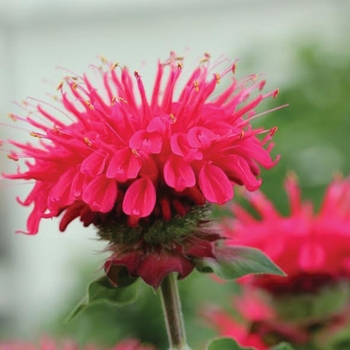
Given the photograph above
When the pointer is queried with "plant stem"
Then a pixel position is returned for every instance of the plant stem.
(172, 313)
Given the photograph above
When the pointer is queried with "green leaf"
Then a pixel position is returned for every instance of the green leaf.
(282, 346)
(225, 344)
(102, 290)
(238, 261)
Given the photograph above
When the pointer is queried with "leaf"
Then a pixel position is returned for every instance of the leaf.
(282, 346)
(225, 344)
(102, 290)
(238, 261)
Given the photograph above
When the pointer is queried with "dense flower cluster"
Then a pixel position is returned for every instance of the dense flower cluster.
(142, 170)
(312, 249)
(49, 344)
(112, 150)
(310, 307)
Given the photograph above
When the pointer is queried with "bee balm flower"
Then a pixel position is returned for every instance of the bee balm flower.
(312, 248)
(118, 158)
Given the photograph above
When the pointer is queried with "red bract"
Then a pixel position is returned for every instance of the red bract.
(313, 249)
(111, 149)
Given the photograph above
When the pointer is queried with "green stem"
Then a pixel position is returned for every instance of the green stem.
(172, 313)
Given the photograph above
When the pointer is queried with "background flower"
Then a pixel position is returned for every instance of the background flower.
(312, 303)
(312, 248)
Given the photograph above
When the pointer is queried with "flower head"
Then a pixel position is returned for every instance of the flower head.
(118, 159)
(112, 149)
(313, 249)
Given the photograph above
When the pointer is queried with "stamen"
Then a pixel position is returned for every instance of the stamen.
(35, 134)
(135, 153)
(13, 117)
(88, 142)
(172, 117)
(13, 157)
(218, 77)
(88, 103)
(262, 84)
(114, 65)
(273, 130)
(196, 85)
(233, 68)
(122, 100)
(59, 87)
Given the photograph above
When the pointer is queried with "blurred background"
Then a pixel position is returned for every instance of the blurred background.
(301, 46)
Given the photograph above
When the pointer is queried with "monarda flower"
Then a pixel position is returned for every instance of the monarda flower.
(313, 249)
(243, 325)
(252, 321)
(129, 163)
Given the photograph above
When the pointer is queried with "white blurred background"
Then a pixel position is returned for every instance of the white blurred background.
(36, 36)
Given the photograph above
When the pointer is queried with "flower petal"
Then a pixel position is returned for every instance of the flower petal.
(178, 174)
(215, 185)
(123, 165)
(140, 198)
(100, 194)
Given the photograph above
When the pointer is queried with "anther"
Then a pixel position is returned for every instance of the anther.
(74, 86)
(103, 59)
(179, 65)
(114, 65)
(56, 130)
(136, 74)
(13, 117)
(135, 153)
(88, 103)
(241, 135)
(273, 130)
(34, 134)
(88, 142)
(172, 117)
(218, 77)
(262, 84)
(122, 100)
(233, 68)
(114, 100)
(13, 157)
(59, 86)
(196, 85)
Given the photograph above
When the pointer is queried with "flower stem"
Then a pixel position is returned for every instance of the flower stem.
(172, 313)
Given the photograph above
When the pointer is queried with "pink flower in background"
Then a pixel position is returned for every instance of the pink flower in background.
(108, 148)
(49, 344)
(251, 310)
(313, 249)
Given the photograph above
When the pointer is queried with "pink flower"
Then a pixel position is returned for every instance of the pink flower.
(244, 326)
(312, 249)
(49, 344)
(128, 163)
(112, 150)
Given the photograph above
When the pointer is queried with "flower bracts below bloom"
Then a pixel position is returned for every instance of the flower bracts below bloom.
(108, 148)
(153, 251)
